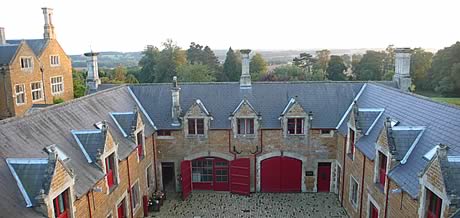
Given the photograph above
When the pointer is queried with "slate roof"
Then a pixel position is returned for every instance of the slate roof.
(26, 137)
(7, 53)
(401, 141)
(37, 45)
(442, 122)
(91, 142)
(125, 121)
(327, 100)
(367, 119)
(32, 177)
(451, 173)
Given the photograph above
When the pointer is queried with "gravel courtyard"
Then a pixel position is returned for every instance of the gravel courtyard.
(223, 204)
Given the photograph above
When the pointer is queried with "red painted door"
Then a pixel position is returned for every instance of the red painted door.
(186, 176)
(270, 175)
(291, 175)
(240, 180)
(281, 174)
(374, 212)
(324, 177)
(121, 209)
(220, 174)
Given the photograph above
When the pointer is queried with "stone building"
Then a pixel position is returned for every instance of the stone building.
(33, 71)
(384, 151)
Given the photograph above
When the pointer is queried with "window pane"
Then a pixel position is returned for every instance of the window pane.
(200, 126)
(291, 126)
(240, 125)
(191, 126)
(299, 126)
(250, 126)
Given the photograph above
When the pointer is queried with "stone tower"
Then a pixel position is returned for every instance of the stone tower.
(2, 36)
(92, 80)
(49, 28)
(402, 68)
(245, 79)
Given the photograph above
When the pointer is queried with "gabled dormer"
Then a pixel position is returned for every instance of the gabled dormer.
(295, 121)
(45, 183)
(245, 120)
(131, 126)
(197, 120)
(99, 148)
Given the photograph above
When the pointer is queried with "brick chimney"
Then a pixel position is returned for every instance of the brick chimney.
(49, 28)
(245, 79)
(2, 36)
(92, 79)
(402, 68)
(175, 109)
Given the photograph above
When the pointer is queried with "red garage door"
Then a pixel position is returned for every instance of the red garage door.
(281, 174)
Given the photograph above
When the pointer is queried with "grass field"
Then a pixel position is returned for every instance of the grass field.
(455, 101)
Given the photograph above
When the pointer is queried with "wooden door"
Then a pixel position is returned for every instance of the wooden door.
(186, 177)
(324, 177)
(240, 179)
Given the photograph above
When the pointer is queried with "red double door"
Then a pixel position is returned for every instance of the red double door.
(211, 173)
(281, 174)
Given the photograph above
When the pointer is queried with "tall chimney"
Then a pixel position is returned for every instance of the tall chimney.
(175, 109)
(402, 68)
(49, 28)
(245, 79)
(2, 36)
(92, 80)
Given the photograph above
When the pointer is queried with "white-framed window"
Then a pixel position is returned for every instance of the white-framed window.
(245, 126)
(54, 60)
(149, 176)
(351, 143)
(27, 63)
(326, 133)
(195, 126)
(37, 91)
(111, 171)
(57, 85)
(135, 196)
(373, 208)
(140, 142)
(295, 126)
(381, 169)
(353, 192)
(20, 94)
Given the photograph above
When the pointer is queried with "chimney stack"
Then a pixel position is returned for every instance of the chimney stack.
(2, 36)
(245, 79)
(402, 68)
(175, 109)
(49, 28)
(92, 80)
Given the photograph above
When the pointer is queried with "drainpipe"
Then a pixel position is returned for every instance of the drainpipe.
(129, 189)
(343, 166)
(230, 144)
(386, 196)
(362, 187)
(45, 98)
(155, 161)
(89, 204)
(255, 159)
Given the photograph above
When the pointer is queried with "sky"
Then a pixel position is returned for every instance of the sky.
(130, 25)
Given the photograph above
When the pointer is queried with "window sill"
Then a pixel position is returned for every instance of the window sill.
(190, 136)
(379, 187)
(165, 137)
(20, 104)
(349, 155)
(57, 94)
(296, 135)
(250, 136)
(37, 100)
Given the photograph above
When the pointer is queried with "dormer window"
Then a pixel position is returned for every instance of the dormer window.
(196, 126)
(245, 126)
(295, 126)
(434, 205)
(382, 169)
(110, 170)
(140, 144)
(351, 143)
(61, 205)
(26, 63)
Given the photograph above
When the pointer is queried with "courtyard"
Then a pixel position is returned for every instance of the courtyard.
(223, 204)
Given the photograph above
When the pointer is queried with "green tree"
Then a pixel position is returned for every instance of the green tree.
(323, 57)
(79, 83)
(305, 61)
(232, 67)
(289, 72)
(371, 66)
(148, 64)
(336, 68)
(119, 74)
(257, 67)
(195, 73)
(445, 70)
(420, 66)
(171, 57)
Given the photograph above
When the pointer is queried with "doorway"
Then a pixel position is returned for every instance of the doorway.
(169, 181)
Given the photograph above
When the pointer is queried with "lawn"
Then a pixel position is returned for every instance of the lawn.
(455, 101)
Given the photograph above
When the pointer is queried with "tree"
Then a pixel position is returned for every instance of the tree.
(305, 61)
(389, 63)
(371, 66)
(171, 57)
(119, 73)
(289, 72)
(195, 53)
(420, 66)
(195, 73)
(336, 68)
(211, 60)
(79, 83)
(148, 64)
(445, 70)
(257, 67)
(323, 57)
(232, 67)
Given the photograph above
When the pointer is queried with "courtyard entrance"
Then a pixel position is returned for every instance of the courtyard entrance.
(210, 173)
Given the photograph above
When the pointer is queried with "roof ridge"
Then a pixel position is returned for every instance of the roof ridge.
(73, 101)
(416, 95)
(254, 82)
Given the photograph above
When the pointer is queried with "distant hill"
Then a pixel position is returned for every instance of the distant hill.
(112, 59)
